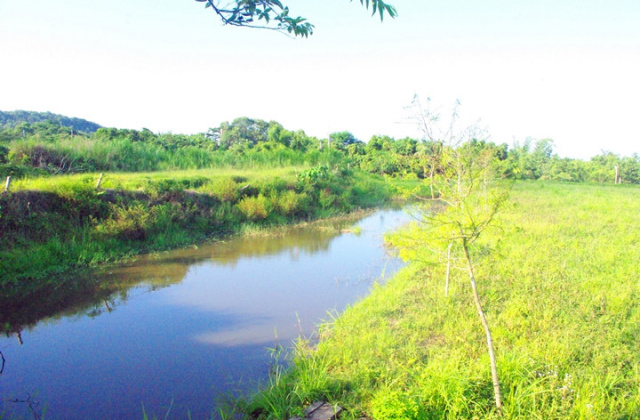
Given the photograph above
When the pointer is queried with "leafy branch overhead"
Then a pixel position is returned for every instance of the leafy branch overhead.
(273, 14)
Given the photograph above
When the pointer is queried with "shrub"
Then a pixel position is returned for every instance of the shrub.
(272, 186)
(326, 198)
(255, 208)
(313, 175)
(224, 189)
(126, 222)
(289, 202)
(4, 152)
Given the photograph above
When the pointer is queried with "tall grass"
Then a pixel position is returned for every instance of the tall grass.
(66, 154)
(139, 180)
(559, 280)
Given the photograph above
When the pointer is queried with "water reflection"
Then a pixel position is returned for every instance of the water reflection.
(101, 291)
(185, 325)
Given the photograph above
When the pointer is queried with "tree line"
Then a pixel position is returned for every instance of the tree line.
(49, 146)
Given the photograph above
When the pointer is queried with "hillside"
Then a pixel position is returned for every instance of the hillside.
(14, 118)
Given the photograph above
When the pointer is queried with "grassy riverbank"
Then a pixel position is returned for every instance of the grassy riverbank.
(559, 282)
(51, 226)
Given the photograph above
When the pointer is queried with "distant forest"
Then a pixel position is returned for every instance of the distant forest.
(33, 143)
(11, 119)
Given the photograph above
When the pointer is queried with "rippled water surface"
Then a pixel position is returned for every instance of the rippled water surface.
(173, 332)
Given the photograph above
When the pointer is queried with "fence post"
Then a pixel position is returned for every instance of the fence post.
(99, 181)
(7, 185)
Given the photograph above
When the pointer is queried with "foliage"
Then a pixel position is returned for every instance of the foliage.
(393, 404)
(224, 189)
(4, 152)
(289, 202)
(23, 120)
(273, 14)
(314, 175)
(462, 179)
(255, 208)
(343, 139)
(126, 222)
(48, 147)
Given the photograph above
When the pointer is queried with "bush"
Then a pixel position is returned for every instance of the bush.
(126, 222)
(289, 202)
(224, 189)
(326, 199)
(314, 175)
(255, 208)
(272, 186)
(20, 171)
(4, 152)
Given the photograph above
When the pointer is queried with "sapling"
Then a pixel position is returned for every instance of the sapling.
(463, 180)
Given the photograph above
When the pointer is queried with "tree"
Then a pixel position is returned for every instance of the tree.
(300, 141)
(341, 139)
(276, 133)
(274, 15)
(4, 153)
(462, 180)
(239, 134)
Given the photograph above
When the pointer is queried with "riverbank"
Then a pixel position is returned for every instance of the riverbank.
(559, 281)
(176, 330)
(54, 226)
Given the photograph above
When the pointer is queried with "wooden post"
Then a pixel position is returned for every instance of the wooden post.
(7, 185)
(617, 180)
(99, 181)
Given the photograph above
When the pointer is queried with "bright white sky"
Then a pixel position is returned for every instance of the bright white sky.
(566, 70)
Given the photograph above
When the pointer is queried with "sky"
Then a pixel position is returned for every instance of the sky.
(565, 70)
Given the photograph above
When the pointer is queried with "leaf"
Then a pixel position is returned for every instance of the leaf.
(245, 12)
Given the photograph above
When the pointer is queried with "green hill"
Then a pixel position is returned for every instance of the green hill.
(11, 119)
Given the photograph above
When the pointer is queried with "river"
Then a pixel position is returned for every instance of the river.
(173, 333)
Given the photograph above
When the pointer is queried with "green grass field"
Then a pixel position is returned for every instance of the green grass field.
(559, 279)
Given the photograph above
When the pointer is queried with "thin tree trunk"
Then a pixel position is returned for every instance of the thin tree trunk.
(446, 281)
(431, 176)
(483, 318)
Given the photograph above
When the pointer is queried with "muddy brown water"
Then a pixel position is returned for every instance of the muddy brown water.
(174, 332)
